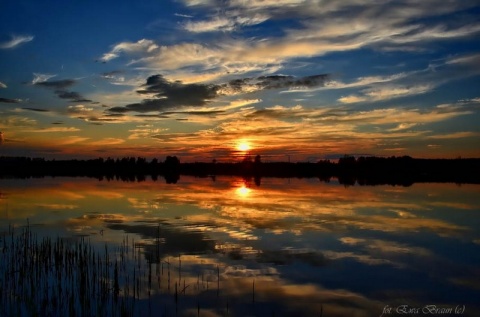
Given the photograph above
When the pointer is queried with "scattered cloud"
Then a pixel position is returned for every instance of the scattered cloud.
(116, 77)
(36, 109)
(53, 129)
(141, 132)
(107, 141)
(79, 109)
(8, 100)
(352, 99)
(71, 95)
(183, 15)
(142, 46)
(389, 92)
(319, 30)
(56, 84)
(169, 94)
(403, 126)
(68, 140)
(15, 41)
(166, 94)
(40, 78)
(59, 86)
(455, 135)
(468, 60)
(2, 85)
(225, 23)
(17, 121)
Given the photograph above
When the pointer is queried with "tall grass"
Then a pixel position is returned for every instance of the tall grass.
(62, 277)
(75, 277)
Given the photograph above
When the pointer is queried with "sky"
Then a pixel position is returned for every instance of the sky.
(299, 80)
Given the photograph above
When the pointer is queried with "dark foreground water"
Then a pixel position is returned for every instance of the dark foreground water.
(287, 247)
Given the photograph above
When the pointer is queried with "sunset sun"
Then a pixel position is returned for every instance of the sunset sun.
(243, 146)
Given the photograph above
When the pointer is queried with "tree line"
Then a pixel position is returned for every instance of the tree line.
(349, 170)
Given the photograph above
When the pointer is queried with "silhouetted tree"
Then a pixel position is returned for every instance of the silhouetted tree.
(172, 161)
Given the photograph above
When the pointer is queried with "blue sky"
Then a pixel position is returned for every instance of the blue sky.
(309, 79)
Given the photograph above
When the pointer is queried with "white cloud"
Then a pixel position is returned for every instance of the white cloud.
(321, 29)
(16, 41)
(40, 78)
(388, 92)
(352, 99)
(229, 22)
(143, 46)
(366, 81)
(183, 15)
(79, 109)
(216, 24)
(2, 85)
(403, 126)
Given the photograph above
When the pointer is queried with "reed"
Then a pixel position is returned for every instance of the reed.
(73, 277)
(61, 277)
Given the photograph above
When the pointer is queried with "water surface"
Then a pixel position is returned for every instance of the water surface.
(283, 247)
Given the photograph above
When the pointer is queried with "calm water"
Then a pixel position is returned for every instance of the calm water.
(286, 247)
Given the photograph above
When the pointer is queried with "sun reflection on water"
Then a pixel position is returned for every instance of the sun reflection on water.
(243, 191)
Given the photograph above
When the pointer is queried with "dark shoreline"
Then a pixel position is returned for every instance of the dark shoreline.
(348, 170)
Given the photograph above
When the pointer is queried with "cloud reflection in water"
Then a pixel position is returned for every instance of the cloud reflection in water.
(301, 240)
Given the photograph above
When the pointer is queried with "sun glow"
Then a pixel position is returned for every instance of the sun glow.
(243, 191)
(243, 146)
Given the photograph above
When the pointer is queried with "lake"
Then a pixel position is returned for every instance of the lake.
(280, 247)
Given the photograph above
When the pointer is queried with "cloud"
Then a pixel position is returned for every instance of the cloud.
(142, 46)
(56, 84)
(367, 81)
(2, 85)
(384, 92)
(107, 141)
(142, 132)
(59, 87)
(36, 109)
(216, 24)
(318, 30)
(468, 60)
(71, 140)
(455, 135)
(224, 23)
(352, 99)
(71, 95)
(56, 129)
(167, 94)
(115, 77)
(389, 92)
(403, 126)
(17, 122)
(15, 41)
(40, 78)
(170, 94)
(183, 15)
(7, 100)
(79, 109)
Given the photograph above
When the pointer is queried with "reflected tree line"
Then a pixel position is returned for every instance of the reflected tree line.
(349, 170)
